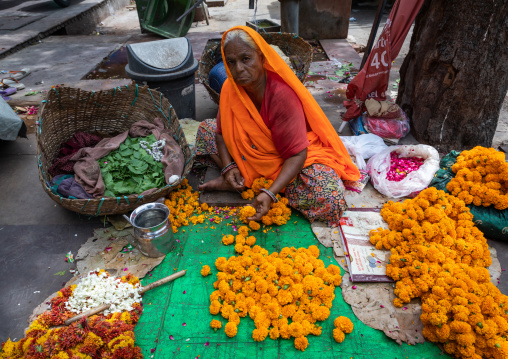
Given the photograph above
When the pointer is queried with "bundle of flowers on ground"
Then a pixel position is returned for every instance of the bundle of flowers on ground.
(99, 336)
(285, 293)
(278, 214)
(184, 208)
(481, 178)
(438, 254)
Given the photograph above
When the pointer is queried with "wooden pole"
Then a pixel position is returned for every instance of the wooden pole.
(373, 31)
(103, 307)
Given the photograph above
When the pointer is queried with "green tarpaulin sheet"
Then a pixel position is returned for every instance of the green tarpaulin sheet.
(176, 320)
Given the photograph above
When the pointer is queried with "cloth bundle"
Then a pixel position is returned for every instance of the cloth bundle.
(87, 170)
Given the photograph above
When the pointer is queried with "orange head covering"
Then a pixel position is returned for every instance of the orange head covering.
(242, 125)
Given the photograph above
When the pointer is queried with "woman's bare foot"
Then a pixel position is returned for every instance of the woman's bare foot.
(217, 184)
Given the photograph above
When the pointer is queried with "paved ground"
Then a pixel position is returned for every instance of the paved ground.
(35, 232)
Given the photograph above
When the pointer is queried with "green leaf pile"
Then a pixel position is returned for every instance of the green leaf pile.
(130, 169)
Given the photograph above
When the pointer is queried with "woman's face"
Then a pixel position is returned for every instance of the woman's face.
(245, 64)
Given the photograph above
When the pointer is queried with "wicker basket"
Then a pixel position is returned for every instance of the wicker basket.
(290, 44)
(108, 113)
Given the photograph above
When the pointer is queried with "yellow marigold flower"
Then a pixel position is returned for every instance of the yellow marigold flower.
(260, 334)
(205, 270)
(338, 335)
(231, 329)
(267, 220)
(234, 318)
(274, 333)
(248, 194)
(243, 230)
(301, 343)
(215, 324)
(250, 241)
(228, 239)
(246, 212)
(215, 307)
(296, 329)
(344, 324)
(254, 225)
(314, 251)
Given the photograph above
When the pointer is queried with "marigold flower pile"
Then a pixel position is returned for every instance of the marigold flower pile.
(400, 167)
(99, 336)
(285, 293)
(438, 254)
(481, 178)
(184, 208)
(278, 214)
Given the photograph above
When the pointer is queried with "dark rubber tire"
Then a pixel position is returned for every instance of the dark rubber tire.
(63, 3)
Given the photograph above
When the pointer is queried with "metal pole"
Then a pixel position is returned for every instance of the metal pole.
(289, 12)
(373, 32)
(189, 10)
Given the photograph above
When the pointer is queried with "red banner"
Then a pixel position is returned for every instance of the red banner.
(372, 80)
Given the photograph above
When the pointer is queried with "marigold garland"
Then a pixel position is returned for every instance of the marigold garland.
(284, 293)
(438, 254)
(97, 336)
(481, 178)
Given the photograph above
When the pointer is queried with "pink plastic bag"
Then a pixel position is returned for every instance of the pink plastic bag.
(386, 127)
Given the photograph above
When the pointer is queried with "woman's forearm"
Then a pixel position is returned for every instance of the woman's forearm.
(224, 155)
(291, 167)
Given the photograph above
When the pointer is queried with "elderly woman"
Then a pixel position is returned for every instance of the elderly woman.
(269, 125)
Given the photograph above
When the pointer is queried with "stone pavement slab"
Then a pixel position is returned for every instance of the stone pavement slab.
(58, 60)
(79, 17)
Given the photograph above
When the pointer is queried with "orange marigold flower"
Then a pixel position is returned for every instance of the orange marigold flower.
(205, 270)
(338, 335)
(215, 324)
(301, 343)
(231, 329)
(344, 324)
(254, 225)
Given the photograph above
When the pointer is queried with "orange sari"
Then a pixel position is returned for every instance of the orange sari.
(242, 126)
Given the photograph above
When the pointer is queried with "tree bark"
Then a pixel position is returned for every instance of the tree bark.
(455, 76)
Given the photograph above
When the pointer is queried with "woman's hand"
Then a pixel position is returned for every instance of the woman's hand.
(235, 179)
(262, 205)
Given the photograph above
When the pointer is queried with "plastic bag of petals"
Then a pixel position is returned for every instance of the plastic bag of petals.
(413, 180)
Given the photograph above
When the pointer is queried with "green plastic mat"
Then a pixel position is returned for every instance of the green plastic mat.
(492, 222)
(176, 320)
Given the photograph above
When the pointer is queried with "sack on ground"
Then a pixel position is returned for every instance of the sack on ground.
(379, 165)
(363, 147)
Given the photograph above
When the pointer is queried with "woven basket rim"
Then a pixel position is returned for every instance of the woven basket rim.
(134, 98)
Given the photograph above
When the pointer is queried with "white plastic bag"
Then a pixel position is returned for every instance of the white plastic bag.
(379, 165)
(363, 147)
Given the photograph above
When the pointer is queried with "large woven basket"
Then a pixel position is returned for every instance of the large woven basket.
(290, 44)
(107, 113)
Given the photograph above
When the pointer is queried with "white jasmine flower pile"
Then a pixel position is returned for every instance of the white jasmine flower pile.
(97, 289)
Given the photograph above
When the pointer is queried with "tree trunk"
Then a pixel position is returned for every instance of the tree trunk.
(455, 76)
